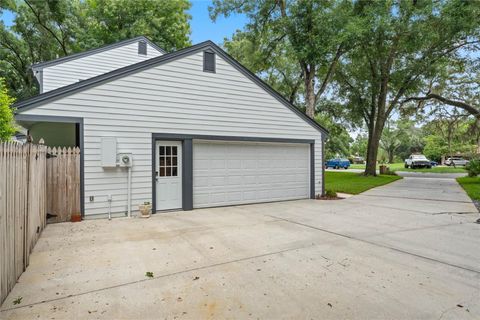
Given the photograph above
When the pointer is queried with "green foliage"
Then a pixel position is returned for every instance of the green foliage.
(46, 30)
(471, 185)
(330, 193)
(166, 23)
(354, 183)
(296, 45)
(359, 146)
(435, 147)
(149, 274)
(18, 300)
(338, 143)
(401, 46)
(7, 128)
(473, 168)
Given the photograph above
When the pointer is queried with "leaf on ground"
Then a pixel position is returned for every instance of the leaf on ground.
(18, 300)
(149, 274)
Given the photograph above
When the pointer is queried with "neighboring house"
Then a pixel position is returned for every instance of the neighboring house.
(203, 131)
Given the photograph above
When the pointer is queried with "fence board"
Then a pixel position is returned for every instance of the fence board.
(22, 208)
(63, 183)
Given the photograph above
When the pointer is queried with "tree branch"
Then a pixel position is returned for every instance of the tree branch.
(37, 15)
(455, 103)
(331, 70)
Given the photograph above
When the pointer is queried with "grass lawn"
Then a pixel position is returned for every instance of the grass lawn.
(400, 167)
(471, 185)
(354, 183)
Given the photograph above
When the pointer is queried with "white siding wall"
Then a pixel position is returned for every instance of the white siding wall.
(93, 65)
(176, 97)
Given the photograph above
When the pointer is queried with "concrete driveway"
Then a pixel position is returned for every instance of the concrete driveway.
(406, 250)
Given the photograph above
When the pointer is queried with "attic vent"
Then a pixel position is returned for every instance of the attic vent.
(208, 61)
(142, 48)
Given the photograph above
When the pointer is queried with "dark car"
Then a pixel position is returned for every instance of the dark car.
(337, 163)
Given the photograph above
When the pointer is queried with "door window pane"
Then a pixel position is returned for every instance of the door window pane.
(168, 161)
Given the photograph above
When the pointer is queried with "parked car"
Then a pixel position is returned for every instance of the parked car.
(434, 163)
(457, 161)
(417, 161)
(337, 163)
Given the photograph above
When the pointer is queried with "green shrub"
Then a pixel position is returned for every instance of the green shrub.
(330, 193)
(473, 168)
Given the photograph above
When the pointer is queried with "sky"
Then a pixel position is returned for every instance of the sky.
(203, 28)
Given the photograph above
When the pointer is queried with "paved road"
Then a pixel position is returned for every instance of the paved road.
(411, 174)
(408, 250)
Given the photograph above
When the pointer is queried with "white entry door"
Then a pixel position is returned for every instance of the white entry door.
(168, 174)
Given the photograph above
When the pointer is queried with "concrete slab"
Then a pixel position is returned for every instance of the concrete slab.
(393, 252)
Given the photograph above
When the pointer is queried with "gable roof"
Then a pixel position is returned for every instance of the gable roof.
(147, 64)
(41, 65)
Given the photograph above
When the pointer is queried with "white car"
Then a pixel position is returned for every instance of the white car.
(456, 162)
(417, 161)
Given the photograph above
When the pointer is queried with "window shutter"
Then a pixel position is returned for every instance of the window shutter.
(142, 48)
(208, 61)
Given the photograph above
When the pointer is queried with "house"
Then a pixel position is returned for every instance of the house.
(201, 130)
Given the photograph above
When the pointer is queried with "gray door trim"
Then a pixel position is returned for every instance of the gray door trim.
(38, 118)
(187, 160)
(323, 166)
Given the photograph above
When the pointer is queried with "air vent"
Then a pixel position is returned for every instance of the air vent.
(142, 48)
(208, 61)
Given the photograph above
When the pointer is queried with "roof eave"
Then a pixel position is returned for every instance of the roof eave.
(50, 63)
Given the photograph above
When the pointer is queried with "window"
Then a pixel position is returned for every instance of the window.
(208, 61)
(168, 164)
(142, 48)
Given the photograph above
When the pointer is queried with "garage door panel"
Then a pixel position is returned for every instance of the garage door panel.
(234, 173)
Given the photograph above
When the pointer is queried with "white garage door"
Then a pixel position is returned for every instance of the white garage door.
(238, 172)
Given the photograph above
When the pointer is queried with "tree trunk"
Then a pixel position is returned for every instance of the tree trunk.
(309, 72)
(372, 153)
(390, 156)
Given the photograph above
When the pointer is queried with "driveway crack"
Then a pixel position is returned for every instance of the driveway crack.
(379, 245)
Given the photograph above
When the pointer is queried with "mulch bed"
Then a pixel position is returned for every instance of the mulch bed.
(329, 198)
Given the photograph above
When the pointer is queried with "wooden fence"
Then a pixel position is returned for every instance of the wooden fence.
(63, 183)
(23, 208)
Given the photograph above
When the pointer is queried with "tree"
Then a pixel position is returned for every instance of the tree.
(452, 130)
(359, 145)
(338, 143)
(390, 141)
(46, 30)
(315, 33)
(459, 88)
(7, 128)
(401, 46)
(275, 65)
(166, 23)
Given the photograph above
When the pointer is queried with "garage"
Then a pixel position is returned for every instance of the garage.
(228, 173)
